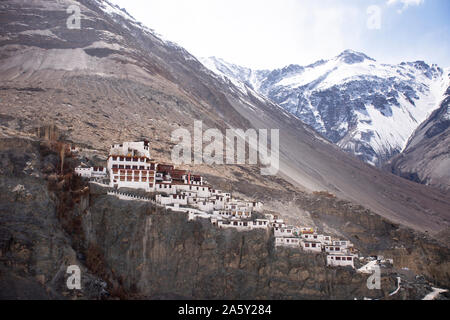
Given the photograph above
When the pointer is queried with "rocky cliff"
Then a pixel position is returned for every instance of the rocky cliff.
(425, 158)
(130, 249)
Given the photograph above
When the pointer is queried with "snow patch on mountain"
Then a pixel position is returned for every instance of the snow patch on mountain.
(367, 108)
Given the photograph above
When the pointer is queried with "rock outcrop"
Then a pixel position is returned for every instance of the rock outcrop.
(134, 250)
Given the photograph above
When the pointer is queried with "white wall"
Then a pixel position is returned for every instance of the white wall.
(340, 260)
(287, 242)
(311, 246)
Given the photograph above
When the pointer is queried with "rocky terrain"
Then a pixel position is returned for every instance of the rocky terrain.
(132, 250)
(352, 100)
(114, 80)
(426, 157)
(142, 86)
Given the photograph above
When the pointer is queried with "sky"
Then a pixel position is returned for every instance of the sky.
(269, 34)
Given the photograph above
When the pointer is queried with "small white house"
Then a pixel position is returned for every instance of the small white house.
(335, 249)
(165, 188)
(235, 224)
(283, 232)
(222, 213)
(171, 199)
(260, 224)
(340, 261)
(92, 172)
(311, 246)
(343, 243)
(207, 206)
(241, 214)
(287, 242)
(83, 172)
(317, 237)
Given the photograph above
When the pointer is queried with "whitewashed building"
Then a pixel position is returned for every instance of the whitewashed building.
(340, 260)
(91, 172)
(260, 224)
(311, 246)
(166, 188)
(343, 243)
(129, 166)
(317, 237)
(283, 232)
(287, 242)
(171, 199)
(335, 249)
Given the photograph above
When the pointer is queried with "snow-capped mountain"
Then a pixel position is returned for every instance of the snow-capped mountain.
(365, 107)
(425, 158)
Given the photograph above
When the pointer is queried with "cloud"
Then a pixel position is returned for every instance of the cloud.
(405, 3)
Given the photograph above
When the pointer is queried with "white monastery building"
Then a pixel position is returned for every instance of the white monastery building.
(129, 165)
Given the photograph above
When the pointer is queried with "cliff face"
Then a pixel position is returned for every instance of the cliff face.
(425, 159)
(159, 254)
(35, 250)
(115, 80)
(130, 249)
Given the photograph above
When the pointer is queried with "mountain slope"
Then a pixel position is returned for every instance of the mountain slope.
(115, 80)
(426, 158)
(367, 108)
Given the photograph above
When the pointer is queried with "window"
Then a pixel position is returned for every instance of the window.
(306, 245)
(128, 159)
(338, 258)
(121, 166)
(135, 167)
(114, 166)
(122, 159)
(313, 245)
(349, 258)
(127, 167)
(114, 158)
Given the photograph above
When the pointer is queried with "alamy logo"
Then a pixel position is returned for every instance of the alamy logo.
(374, 17)
(374, 281)
(236, 142)
(74, 20)
(74, 280)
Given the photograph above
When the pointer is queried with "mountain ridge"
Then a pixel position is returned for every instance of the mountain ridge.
(352, 100)
(115, 80)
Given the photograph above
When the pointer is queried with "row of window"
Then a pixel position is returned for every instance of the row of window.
(130, 172)
(115, 166)
(292, 240)
(334, 248)
(129, 159)
(313, 245)
(342, 258)
(131, 179)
